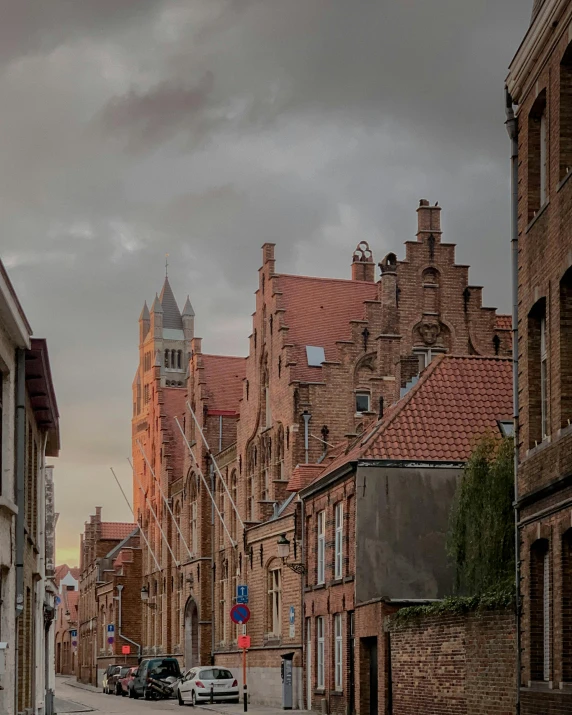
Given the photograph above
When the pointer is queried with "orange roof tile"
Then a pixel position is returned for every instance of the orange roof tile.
(223, 376)
(318, 312)
(63, 570)
(456, 400)
(303, 475)
(115, 530)
(503, 322)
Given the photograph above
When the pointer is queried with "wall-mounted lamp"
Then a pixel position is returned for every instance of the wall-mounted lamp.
(284, 551)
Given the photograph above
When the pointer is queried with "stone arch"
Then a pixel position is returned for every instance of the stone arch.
(192, 649)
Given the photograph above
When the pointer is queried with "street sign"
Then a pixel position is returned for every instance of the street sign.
(110, 628)
(242, 594)
(74, 644)
(292, 615)
(244, 641)
(292, 630)
(125, 649)
(110, 640)
(240, 613)
(73, 634)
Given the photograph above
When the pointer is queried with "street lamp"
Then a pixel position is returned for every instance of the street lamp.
(284, 551)
(145, 597)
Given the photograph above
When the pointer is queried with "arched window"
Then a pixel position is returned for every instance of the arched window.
(537, 156)
(540, 611)
(233, 493)
(430, 281)
(167, 363)
(177, 534)
(274, 610)
(537, 367)
(280, 452)
(221, 505)
(180, 359)
(193, 514)
(566, 113)
(566, 348)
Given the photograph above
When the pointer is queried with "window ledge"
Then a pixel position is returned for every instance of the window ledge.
(564, 181)
(544, 685)
(319, 586)
(336, 582)
(539, 447)
(337, 692)
(320, 691)
(348, 579)
(539, 213)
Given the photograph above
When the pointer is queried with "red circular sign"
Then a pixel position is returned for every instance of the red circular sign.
(240, 613)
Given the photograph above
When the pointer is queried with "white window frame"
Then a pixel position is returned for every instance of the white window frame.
(275, 598)
(339, 541)
(546, 614)
(338, 652)
(363, 393)
(320, 653)
(321, 546)
(543, 379)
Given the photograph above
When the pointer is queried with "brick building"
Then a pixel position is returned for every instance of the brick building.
(66, 628)
(540, 86)
(387, 497)
(109, 557)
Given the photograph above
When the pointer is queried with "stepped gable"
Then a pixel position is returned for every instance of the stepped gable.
(318, 313)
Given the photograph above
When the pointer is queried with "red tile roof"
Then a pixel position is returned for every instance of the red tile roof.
(303, 475)
(503, 322)
(223, 376)
(318, 312)
(456, 400)
(116, 531)
(62, 571)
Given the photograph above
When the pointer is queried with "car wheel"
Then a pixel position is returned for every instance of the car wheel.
(134, 694)
(147, 694)
(181, 701)
(194, 698)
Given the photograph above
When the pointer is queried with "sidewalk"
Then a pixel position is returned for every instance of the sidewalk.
(73, 683)
(234, 709)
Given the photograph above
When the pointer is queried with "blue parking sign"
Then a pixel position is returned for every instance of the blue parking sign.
(110, 628)
(242, 594)
(292, 615)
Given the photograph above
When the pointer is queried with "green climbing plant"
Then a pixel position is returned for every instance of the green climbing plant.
(481, 529)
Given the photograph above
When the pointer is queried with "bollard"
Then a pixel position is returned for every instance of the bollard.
(245, 696)
(212, 693)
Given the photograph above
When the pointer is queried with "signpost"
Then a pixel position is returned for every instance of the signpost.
(292, 621)
(73, 635)
(110, 633)
(242, 594)
(240, 614)
(125, 649)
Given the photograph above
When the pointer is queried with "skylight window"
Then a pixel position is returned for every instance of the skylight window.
(315, 355)
(506, 427)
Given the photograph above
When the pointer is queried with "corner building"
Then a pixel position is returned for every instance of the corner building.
(540, 86)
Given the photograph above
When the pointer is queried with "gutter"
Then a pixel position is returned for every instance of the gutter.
(512, 129)
(19, 463)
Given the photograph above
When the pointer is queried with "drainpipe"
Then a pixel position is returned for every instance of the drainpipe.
(220, 434)
(19, 464)
(121, 635)
(307, 417)
(302, 614)
(512, 129)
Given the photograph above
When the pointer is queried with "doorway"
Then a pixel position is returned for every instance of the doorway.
(191, 634)
(309, 663)
(369, 679)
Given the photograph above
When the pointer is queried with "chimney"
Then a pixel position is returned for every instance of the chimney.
(363, 267)
(428, 221)
(388, 293)
(196, 346)
(268, 257)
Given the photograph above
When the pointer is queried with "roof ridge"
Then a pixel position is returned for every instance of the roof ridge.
(346, 281)
(232, 357)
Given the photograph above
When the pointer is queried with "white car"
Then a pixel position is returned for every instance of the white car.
(196, 686)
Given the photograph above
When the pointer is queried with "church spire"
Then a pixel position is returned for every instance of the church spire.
(172, 316)
(188, 309)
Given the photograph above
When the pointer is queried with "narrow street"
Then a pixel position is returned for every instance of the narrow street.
(71, 698)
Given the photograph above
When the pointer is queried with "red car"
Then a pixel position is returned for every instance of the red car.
(124, 682)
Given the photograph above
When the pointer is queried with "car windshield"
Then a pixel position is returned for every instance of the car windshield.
(124, 672)
(215, 674)
(165, 668)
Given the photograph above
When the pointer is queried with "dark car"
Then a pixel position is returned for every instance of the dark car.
(114, 679)
(124, 682)
(110, 671)
(157, 668)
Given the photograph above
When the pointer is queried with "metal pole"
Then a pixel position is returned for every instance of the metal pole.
(153, 512)
(512, 129)
(244, 687)
(215, 464)
(200, 471)
(165, 500)
(131, 510)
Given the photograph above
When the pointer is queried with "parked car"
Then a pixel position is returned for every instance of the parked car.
(196, 686)
(114, 679)
(109, 672)
(166, 669)
(125, 680)
(178, 682)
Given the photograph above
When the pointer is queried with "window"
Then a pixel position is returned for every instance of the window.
(567, 605)
(566, 114)
(543, 378)
(320, 680)
(233, 493)
(540, 611)
(338, 651)
(275, 601)
(566, 348)
(321, 560)
(268, 406)
(194, 545)
(266, 483)
(167, 359)
(537, 156)
(339, 543)
(425, 356)
(250, 497)
(362, 401)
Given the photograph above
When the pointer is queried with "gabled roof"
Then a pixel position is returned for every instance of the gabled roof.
(303, 475)
(62, 571)
(223, 376)
(455, 402)
(171, 314)
(318, 313)
(116, 530)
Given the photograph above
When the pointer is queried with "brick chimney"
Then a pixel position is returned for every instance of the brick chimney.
(268, 256)
(363, 266)
(428, 221)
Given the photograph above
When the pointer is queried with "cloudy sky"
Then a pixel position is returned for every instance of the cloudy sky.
(203, 128)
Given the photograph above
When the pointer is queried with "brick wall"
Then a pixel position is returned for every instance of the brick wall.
(454, 665)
